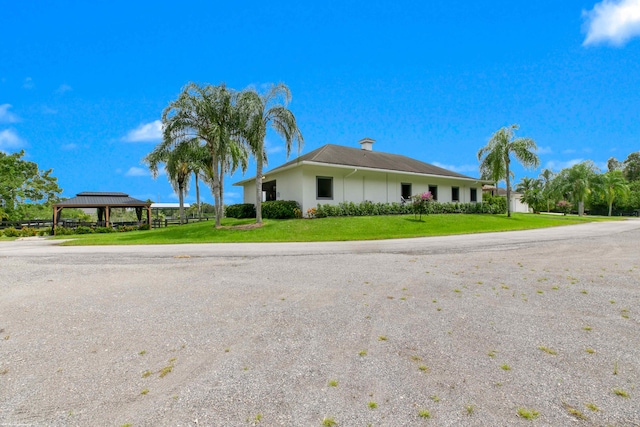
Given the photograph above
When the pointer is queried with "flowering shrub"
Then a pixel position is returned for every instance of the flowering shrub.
(564, 206)
(421, 203)
(311, 212)
(298, 213)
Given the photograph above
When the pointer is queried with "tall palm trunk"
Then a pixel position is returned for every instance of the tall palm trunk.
(259, 166)
(198, 197)
(216, 187)
(508, 187)
(181, 199)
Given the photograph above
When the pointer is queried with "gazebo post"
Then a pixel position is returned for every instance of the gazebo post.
(149, 216)
(106, 216)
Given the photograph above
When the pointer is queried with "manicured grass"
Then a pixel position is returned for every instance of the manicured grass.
(329, 229)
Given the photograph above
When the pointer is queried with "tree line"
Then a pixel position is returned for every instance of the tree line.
(210, 131)
(583, 186)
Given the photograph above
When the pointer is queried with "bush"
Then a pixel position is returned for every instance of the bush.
(84, 230)
(144, 227)
(280, 209)
(64, 231)
(11, 232)
(28, 232)
(240, 210)
(370, 209)
(105, 230)
(126, 228)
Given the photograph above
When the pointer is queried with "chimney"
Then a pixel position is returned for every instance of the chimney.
(366, 143)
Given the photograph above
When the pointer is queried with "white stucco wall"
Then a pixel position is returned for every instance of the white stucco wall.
(351, 185)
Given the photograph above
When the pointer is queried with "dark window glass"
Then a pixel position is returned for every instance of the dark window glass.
(455, 194)
(474, 195)
(324, 187)
(406, 191)
(433, 189)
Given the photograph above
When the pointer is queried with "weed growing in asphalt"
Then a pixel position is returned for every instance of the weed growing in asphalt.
(333, 383)
(424, 413)
(574, 411)
(555, 288)
(528, 414)
(590, 350)
(612, 301)
(416, 358)
(587, 328)
(424, 368)
(615, 368)
(146, 373)
(328, 422)
(470, 409)
(624, 313)
(373, 405)
(548, 350)
(592, 406)
(492, 353)
(620, 392)
(506, 367)
(584, 291)
(362, 353)
(540, 292)
(142, 353)
(435, 398)
(145, 391)
(4, 371)
(382, 338)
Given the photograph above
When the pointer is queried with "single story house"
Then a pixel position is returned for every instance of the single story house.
(333, 174)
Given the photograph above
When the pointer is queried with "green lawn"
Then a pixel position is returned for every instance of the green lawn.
(329, 229)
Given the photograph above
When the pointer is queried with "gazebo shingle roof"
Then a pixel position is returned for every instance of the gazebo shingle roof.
(89, 199)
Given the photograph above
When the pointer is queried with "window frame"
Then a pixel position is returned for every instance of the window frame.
(453, 191)
(402, 185)
(433, 189)
(474, 195)
(330, 179)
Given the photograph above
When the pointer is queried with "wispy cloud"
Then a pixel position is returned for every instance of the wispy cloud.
(136, 171)
(146, 132)
(69, 147)
(612, 21)
(6, 116)
(568, 151)
(557, 165)
(9, 139)
(545, 150)
(64, 88)
(28, 83)
(457, 168)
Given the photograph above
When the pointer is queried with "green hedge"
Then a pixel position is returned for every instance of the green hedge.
(372, 209)
(240, 210)
(279, 209)
(275, 209)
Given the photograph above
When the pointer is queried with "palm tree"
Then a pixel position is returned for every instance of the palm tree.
(614, 186)
(547, 177)
(207, 114)
(577, 182)
(177, 161)
(257, 112)
(532, 193)
(495, 157)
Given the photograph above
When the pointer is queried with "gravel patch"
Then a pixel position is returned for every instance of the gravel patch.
(468, 328)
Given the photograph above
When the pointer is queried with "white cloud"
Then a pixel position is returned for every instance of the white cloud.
(556, 165)
(64, 88)
(146, 132)
(545, 150)
(9, 139)
(613, 21)
(28, 83)
(6, 116)
(457, 168)
(136, 171)
(568, 151)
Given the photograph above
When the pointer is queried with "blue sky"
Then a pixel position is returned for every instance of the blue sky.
(83, 84)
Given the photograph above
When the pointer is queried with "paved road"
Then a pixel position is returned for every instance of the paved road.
(462, 243)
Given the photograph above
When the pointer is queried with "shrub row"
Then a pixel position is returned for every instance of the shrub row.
(24, 232)
(371, 209)
(275, 209)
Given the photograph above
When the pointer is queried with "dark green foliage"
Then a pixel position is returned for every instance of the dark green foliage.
(125, 228)
(144, 227)
(105, 230)
(280, 209)
(84, 230)
(495, 205)
(11, 232)
(240, 210)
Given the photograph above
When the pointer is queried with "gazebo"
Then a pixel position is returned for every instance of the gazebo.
(102, 202)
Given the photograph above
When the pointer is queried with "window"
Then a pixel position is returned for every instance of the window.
(405, 191)
(433, 189)
(474, 195)
(455, 194)
(324, 187)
